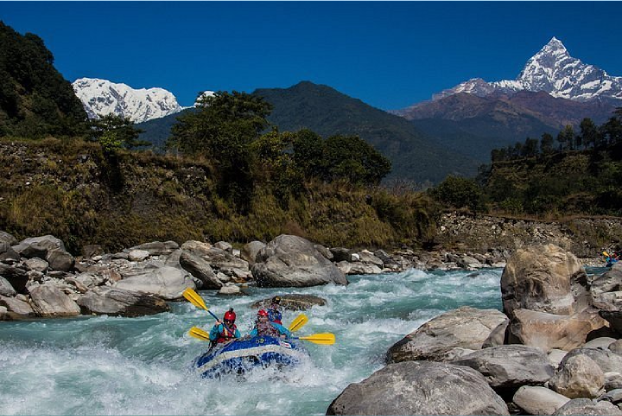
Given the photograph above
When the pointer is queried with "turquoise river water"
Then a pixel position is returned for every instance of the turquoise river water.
(142, 366)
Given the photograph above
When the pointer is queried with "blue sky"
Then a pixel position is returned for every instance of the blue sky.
(388, 54)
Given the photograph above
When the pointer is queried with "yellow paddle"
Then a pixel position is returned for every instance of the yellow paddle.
(298, 323)
(322, 339)
(198, 333)
(194, 298)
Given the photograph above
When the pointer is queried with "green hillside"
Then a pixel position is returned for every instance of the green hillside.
(35, 100)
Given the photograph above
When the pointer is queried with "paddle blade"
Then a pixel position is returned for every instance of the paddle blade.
(322, 339)
(298, 323)
(198, 333)
(194, 298)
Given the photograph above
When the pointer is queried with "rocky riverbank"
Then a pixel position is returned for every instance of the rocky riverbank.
(556, 349)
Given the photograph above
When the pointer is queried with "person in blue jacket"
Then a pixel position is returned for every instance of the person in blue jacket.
(263, 327)
(274, 314)
(226, 330)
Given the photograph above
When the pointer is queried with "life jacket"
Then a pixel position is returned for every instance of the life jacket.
(267, 330)
(274, 315)
(227, 334)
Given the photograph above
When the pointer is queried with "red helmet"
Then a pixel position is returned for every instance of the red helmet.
(262, 313)
(230, 315)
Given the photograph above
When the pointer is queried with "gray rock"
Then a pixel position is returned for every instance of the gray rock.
(465, 327)
(291, 261)
(538, 278)
(608, 361)
(223, 245)
(601, 342)
(510, 366)
(200, 269)
(250, 250)
(158, 248)
(613, 381)
(547, 331)
(138, 255)
(18, 308)
(50, 302)
(39, 246)
(230, 290)
(10, 256)
(536, 400)
(578, 376)
(341, 254)
(293, 302)
(5, 288)
(587, 407)
(60, 260)
(36, 264)
(166, 282)
(105, 300)
(420, 388)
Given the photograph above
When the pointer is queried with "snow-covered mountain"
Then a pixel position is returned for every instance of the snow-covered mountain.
(102, 97)
(551, 70)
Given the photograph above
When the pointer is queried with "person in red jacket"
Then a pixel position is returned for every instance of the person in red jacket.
(226, 330)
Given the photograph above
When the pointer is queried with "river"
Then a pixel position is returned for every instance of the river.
(142, 366)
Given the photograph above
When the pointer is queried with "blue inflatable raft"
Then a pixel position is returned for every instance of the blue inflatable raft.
(241, 355)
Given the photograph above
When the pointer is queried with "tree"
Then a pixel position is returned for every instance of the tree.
(460, 192)
(566, 138)
(308, 150)
(352, 158)
(589, 132)
(222, 129)
(115, 132)
(530, 148)
(218, 119)
(546, 143)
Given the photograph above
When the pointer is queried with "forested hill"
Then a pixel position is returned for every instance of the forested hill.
(35, 99)
(329, 112)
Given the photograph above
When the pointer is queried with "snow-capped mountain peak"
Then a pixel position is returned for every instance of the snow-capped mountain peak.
(102, 97)
(551, 70)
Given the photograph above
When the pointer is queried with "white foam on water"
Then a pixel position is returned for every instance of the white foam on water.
(143, 366)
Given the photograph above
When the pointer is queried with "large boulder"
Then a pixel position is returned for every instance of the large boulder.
(291, 261)
(51, 302)
(510, 366)
(420, 388)
(548, 331)
(49, 248)
(166, 282)
(6, 241)
(539, 278)
(105, 300)
(579, 376)
(467, 328)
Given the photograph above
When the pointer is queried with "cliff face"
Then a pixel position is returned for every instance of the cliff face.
(584, 236)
